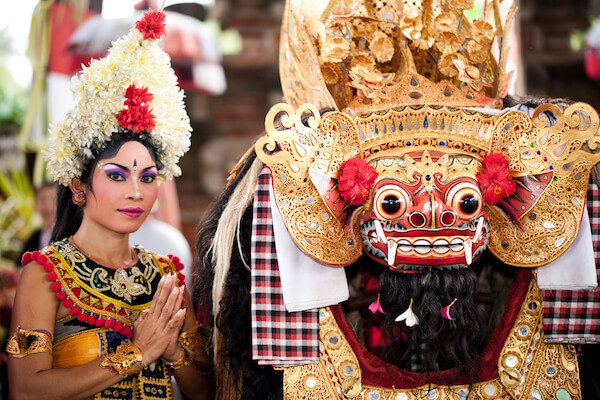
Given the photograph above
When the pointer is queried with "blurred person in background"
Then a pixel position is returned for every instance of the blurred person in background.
(45, 206)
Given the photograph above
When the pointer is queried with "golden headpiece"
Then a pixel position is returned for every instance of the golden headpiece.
(366, 55)
(394, 73)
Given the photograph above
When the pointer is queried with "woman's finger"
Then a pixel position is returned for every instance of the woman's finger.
(178, 301)
(176, 322)
(158, 294)
(171, 302)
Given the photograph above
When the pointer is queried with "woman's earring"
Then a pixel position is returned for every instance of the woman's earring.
(78, 198)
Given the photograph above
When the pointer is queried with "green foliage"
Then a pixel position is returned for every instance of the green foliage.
(17, 213)
(13, 101)
(13, 97)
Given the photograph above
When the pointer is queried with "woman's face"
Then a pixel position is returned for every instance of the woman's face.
(124, 189)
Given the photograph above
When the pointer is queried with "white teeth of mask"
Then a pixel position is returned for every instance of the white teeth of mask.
(479, 230)
(380, 234)
(391, 257)
(468, 251)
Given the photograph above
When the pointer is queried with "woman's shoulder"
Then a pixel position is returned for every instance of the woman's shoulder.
(42, 256)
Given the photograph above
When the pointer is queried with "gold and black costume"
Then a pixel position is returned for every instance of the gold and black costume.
(104, 302)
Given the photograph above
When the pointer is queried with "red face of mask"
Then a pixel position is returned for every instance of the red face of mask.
(429, 217)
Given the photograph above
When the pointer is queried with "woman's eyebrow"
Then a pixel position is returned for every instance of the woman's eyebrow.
(148, 168)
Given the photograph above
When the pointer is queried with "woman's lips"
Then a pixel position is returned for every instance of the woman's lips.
(132, 212)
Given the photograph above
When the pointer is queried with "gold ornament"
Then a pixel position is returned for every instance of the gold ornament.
(24, 342)
(526, 365)
(552, 158)
(126, 360)
(410, 42)
(190, 341)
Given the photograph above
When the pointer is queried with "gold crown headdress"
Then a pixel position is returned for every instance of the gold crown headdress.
(366, 55)
(327, 50)
(133, 88)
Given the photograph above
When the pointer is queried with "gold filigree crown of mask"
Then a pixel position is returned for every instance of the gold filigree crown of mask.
(368, 55)
(549, 161)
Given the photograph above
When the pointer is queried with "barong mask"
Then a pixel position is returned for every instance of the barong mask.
(448, 179)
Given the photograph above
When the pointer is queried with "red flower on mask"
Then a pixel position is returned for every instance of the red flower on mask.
(495, 180)
(355, 181)
(152, 25)
(137, 116)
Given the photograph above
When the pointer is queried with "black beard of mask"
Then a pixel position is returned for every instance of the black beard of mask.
(436, 343)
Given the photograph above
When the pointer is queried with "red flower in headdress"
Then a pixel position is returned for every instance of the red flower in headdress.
(137, 97)
(495, 181)
(137, 119)
(355, 181)
(137, 116)
(152, 24)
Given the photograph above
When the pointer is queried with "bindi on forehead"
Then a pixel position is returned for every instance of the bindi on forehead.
(134, 163)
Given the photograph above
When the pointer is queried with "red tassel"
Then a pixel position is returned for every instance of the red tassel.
(109, 323)
(175, 259)
(74, 311)
(82, 317)
(51, 276)
(91, 320)
(48, 266)
(35, 255)
(181, 279)
(56, 286)
(125, 330)
(130, 335)
(100, 322)
(68, 303)
(61, 295)
(117, 327)
(26, 259)
(179, 266)
(42, 259)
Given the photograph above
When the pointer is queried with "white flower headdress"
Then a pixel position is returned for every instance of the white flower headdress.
(132, 89)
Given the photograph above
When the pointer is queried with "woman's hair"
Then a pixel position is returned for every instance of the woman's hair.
(233, 320)
(69, 215)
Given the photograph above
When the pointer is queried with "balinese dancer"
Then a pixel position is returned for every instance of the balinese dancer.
(93, 317)
(396, 154)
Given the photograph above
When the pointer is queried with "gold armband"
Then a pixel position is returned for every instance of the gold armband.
(126, 360)
(189, 340)
(25, 342)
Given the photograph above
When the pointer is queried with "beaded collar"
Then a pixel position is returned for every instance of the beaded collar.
(99, 295)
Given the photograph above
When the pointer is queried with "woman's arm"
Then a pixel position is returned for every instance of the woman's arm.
(32, 376)
(36, 307)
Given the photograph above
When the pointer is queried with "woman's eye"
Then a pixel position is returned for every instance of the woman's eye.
(116, 176)
(391, 202)
(466, 200)
(148, 178)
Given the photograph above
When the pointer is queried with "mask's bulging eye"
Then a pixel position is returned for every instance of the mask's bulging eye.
(391, 202)
(466, 199)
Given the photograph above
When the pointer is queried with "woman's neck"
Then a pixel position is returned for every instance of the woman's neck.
(107, 247)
